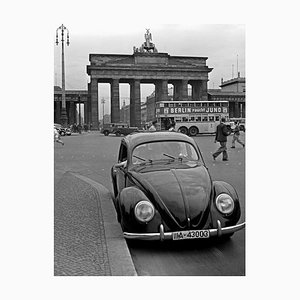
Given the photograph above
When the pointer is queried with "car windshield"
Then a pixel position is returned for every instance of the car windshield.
(167, 150)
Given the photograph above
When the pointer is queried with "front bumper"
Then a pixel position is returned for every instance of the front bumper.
(161, 235)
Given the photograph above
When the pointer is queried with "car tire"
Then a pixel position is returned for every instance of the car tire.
(193, 131)
(118, 133)
(62, 133)
(183, 130)
(106, 133)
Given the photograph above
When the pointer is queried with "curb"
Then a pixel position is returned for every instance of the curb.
(118, 253)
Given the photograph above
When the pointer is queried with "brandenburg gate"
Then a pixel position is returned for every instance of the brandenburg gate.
(145, 65)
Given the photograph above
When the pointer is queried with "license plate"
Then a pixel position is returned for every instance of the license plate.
(190, 234)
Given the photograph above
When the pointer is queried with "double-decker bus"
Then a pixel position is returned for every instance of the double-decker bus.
(191, 117)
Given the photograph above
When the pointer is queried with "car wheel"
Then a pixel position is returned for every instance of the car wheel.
(62, 133)
(118, 133)
(193, 131)
(183, 130)
(105, 133)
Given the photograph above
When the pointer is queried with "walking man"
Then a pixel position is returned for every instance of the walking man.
(221, 136)
(236, 135)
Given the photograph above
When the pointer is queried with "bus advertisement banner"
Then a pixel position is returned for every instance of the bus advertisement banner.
(193, 110)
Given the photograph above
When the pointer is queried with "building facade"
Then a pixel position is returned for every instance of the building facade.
(74, 98)
(234, 91)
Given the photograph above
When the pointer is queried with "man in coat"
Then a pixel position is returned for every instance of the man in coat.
(221, 136)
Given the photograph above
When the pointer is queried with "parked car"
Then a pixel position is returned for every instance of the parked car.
(163, 190)
(118, 129)
(61, 130)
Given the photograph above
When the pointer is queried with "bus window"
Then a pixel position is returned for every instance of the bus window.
(185, 104)
(166, 105)
(198, 119)
(191, 105)
(217, 118)
(184, 119)
(217, 104)
(204, 118)
(192, 119)
(204, 104)
(211, 118)
(171, 104)
(211, 104)
(198, 104)
(177, 120)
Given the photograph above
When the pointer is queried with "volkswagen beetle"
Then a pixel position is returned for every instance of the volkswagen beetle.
(163, 190)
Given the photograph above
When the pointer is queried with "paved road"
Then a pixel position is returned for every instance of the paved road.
(92, 155)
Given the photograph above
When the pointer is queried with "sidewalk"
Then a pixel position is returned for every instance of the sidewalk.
(88, 240)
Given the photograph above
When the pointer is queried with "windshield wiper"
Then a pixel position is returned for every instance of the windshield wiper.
(143, 159)
(168, 155)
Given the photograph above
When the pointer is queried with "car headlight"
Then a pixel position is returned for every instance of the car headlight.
(144, 211)
(224, 204)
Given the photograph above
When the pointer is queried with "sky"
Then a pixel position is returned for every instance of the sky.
(223, 45)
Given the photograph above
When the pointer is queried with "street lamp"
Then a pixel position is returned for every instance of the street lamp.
(63, 116)
(103, 102)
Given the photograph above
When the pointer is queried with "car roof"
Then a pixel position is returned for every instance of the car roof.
(156, 136)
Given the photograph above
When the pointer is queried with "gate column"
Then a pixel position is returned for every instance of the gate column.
(184, 90)
(135, 103)
(94, 104)
(71, 113)
(203, 90)
(115, 101)
(196, 90)
(176, 95)
(57, 117)
(161, 90)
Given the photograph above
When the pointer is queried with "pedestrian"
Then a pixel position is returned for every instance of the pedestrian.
(236, 135)
(172, 127)
(57, 137)
(221, 136)
(153, 127)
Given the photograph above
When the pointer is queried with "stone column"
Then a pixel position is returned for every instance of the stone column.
(57, 117)
(135, 103)
(176, 96)
(196, 90)
(184, 90)
(115, 101)
(71, 113)
(203, 90)
(94, 104)
(236, 110)
(85, 112)
(161, 90)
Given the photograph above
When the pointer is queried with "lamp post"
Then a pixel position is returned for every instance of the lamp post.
(63, 116)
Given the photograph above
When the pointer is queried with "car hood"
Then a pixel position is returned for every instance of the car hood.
(181, 193)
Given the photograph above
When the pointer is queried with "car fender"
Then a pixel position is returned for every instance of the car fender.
(127, 200)
(220, 187)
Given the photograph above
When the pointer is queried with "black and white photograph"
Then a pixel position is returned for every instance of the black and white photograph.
(149, 153)
(168, 173)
